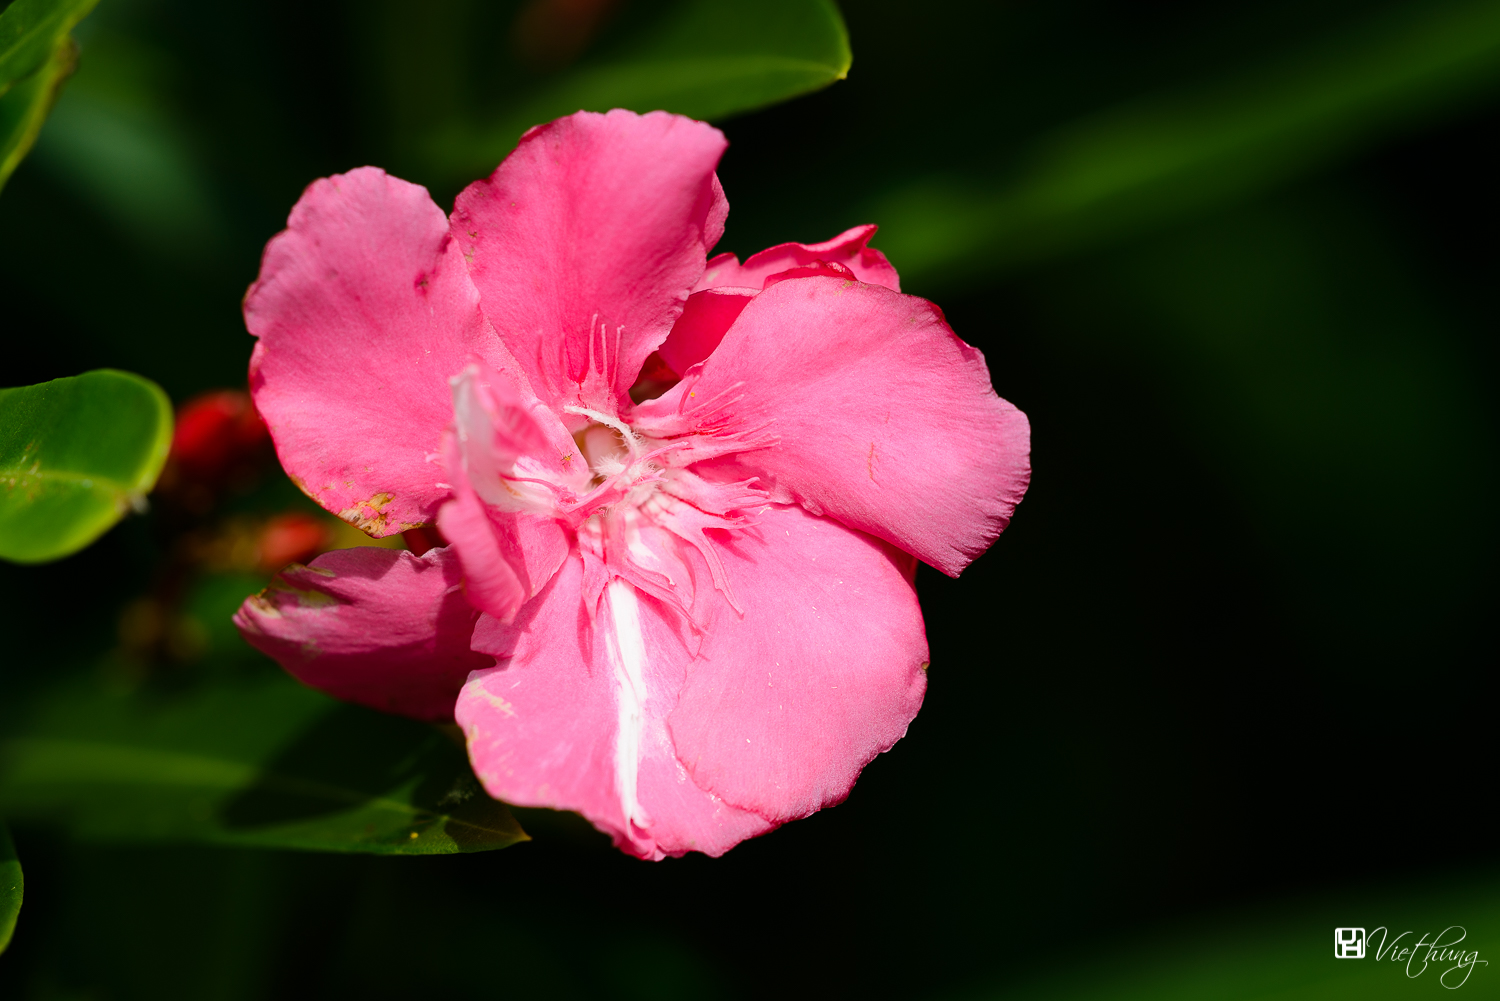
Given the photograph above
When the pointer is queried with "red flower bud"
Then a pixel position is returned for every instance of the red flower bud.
(294, 537)
(215, 432)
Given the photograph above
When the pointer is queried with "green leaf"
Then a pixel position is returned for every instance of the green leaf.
(1156, 160)
(30, 31)
(36, 56)
(75, 455)
(12, 886)
(708, 59)
(260, 762)
(24, 107)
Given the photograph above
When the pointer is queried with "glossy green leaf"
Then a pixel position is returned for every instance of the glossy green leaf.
(706, 59)
(262, 762)
(36, 56)
(1156, 160)
(75, 455)
(12, 886)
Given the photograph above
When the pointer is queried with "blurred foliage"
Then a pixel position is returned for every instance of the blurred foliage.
(75, 455)
(1265, 953)
(12, 887)
(36, 56)
(1154, 159)
(30, 30)
(1218, 688)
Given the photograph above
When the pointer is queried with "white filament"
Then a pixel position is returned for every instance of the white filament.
(631, 441)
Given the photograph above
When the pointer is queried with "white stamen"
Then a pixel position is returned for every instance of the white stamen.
(627, 651)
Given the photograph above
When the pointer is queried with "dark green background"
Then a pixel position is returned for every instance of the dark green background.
(1234, 650)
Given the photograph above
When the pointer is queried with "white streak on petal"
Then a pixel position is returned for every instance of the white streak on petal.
(627, 652)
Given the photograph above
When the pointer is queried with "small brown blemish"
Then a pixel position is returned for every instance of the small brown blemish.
(367, 515)
(923, 666)
(265, 605)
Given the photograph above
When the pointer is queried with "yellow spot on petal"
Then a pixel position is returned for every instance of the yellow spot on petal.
(367, 515)
(496, 701)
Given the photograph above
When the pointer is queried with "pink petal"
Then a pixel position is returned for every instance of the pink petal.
(508, 557)
(675, 742)
(363, 309)
(849, 249)
(585, 242)
(884, 419)
(502, 527)
(494, 584)
(704, 321)
(380, 627)
(824, 671)
(544, 727)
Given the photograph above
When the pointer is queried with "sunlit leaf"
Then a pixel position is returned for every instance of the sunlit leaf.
(12, 886)
(1155, 160)
(75, 455)
(262, 762)
(36, 56)
(706, 59)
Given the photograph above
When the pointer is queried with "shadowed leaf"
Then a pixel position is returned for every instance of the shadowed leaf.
(262, 763)
(706, 59)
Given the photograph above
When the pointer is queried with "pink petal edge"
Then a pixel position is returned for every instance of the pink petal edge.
(849, 249)
(379, 627)
(882, 417)
(362, 311)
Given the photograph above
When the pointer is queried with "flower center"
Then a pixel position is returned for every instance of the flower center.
(603, 448)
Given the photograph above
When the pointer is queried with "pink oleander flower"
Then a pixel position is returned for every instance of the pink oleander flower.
(691, 617)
